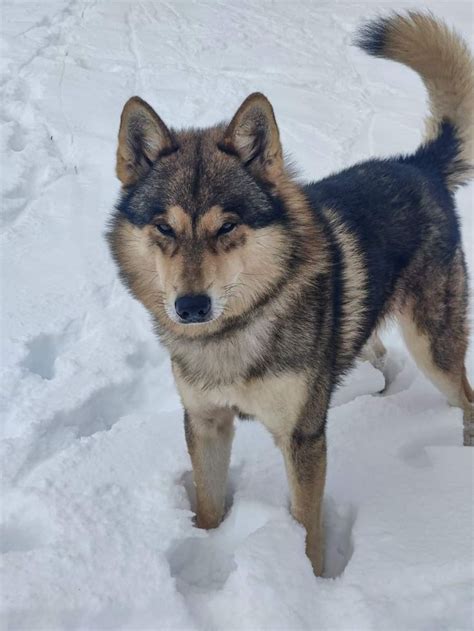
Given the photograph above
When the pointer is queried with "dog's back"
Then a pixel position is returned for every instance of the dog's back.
(402, 212)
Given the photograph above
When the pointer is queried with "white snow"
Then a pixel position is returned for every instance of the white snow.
(97, 494)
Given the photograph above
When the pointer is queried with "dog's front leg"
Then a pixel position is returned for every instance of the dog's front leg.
(305, 459)
(209, 435)
(293, 407)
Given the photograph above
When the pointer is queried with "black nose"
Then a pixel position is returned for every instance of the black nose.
(193, 308)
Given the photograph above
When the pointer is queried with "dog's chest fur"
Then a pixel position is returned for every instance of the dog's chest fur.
(224, 360)
(215, 374)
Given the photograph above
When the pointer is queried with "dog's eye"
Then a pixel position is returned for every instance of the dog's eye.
(226, 227)
(165, 229)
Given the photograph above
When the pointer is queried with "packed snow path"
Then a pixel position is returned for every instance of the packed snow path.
(97, 497)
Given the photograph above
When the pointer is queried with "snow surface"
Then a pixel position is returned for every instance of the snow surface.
(97, 496)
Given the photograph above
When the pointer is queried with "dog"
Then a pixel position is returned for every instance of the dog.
(265, 291)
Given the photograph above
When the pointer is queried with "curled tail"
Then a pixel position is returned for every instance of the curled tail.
(446, 66)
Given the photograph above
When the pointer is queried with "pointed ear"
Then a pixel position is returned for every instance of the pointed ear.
(253, 134)
(142, 138)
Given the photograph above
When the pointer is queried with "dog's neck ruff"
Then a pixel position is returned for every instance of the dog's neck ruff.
(222, 359)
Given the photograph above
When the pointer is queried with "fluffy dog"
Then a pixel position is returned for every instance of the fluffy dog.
(265, 291)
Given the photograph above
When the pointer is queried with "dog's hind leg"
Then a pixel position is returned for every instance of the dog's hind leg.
(450, 379)
(434, 326)
(374, 352)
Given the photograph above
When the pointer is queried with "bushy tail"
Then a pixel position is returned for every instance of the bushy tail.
(446, 66)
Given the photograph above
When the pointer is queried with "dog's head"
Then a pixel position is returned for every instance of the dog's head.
(200, 234)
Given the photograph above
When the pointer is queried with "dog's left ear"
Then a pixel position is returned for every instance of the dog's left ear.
(253, 135)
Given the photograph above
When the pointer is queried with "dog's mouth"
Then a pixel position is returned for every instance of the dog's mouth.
(194, 321)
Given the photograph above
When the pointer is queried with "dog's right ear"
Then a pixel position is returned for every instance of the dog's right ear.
(142, 138)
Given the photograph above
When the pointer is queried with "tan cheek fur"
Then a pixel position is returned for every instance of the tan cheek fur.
(161, 269)
(239, 275)
(153, 275)
(136, 254)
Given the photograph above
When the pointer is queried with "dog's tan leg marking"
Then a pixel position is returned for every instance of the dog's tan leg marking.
(374, 352)
(305, 460)
(209, 436)
(453, 383)
(209, 429)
